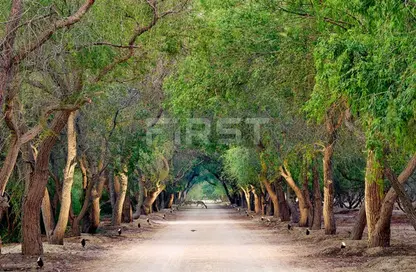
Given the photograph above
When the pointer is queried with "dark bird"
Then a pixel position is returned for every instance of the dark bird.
(40, 262)
(139, 226)
(164, 216)
(289, 226)
(343, 245)
(171, 211)
(119, 232)
(83, 242)
(148, 221)
(262, 218)
(248, 215)
(193, 230)
(308, 232)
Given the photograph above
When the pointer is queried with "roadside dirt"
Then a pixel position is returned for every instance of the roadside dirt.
(221, 239)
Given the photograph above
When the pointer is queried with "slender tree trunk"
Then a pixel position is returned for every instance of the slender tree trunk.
(360, 223)
(273, 198)
(328, 212)
(317, 207)
(47, 215)
(305, 190)
(140, 198)
(171, 198)
(118, 207)
(373, 197)
(247, 198)
(257, 202)
(303, 207)
(9, 162)
(59, 232)
(31, 235)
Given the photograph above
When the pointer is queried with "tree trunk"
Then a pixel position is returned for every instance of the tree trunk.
(284, 209)
(404, 198)
(59, 232)
(150, 199)
(247, 198)
(273, 197)
(47, 215)
(328, 212)
(360, 223)
(170, 203)
(317, 207)
(383, 224)
(140, 198)
(303, 208)
(118, 207)
(257, 202)
(31, 236)
(373, 197)
(127, 214)
(305, 190)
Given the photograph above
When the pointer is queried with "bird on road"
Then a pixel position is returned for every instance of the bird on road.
(119, 232)
(262, 218)
(139, 226)
(164, 216)
(308, 232)
(289, 226)
(148, 221)
(193, 230)
(343, 245)
(40, 262)
(83, 242)
(268, 220)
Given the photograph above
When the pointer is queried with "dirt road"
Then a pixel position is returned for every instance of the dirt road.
(213, 239)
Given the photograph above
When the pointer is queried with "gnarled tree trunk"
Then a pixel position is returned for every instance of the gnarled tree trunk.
(32, 201)
(150, 199)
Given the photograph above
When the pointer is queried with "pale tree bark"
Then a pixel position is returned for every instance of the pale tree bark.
(59, 231)
(305, 190)
(47, 215)
(269, 189)
(150, 199)
(303, 207)
(118, 207)
(246, 193)
(170, 202)
(257, 202)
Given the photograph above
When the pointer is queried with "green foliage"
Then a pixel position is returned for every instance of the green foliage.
(242, 164)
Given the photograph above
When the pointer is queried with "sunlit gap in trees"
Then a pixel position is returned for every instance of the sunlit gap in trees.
(203, 222)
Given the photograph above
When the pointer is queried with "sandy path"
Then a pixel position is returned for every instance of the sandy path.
(220, 243)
